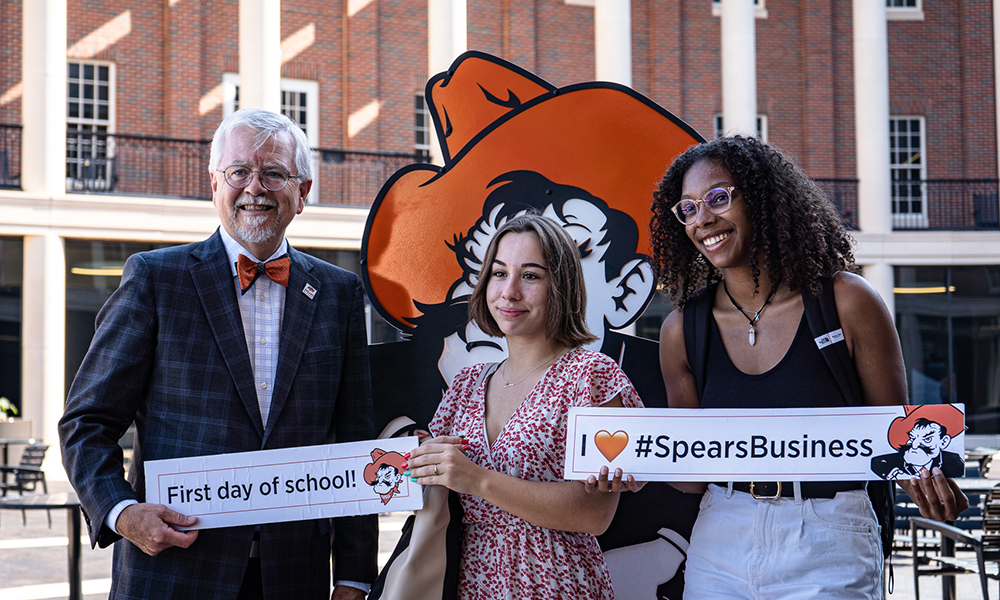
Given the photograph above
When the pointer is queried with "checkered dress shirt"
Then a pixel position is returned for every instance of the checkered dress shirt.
(261, 308)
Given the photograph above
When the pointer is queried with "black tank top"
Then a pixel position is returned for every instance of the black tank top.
(801, 379)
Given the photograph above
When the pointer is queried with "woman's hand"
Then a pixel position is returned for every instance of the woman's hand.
(444, 461)
(601, 484)
(938, 497)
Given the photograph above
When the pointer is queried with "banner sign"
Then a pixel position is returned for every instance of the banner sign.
(287, 484)
(800, 444)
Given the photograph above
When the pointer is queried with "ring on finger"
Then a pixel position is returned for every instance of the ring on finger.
(436, 470)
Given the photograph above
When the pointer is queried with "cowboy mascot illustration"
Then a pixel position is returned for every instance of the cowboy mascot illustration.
(920, 439)
(384, 473)
(588, 156)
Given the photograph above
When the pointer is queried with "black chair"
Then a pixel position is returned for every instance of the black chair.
(906, 509)
(970, 520)
(27, 475)
(962, 536)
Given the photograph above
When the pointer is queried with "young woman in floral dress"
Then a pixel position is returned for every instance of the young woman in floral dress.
(500, 428)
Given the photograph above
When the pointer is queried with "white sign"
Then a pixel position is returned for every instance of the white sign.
(797, 444)
(288, 484)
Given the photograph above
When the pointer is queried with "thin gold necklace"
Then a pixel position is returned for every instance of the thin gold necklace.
(508, 384)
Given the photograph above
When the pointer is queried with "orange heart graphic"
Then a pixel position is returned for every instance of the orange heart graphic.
(611, 445)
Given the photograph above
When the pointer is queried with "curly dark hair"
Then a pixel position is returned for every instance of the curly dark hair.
(796, 228)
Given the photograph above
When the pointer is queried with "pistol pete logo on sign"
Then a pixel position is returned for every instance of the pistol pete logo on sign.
(922, 439)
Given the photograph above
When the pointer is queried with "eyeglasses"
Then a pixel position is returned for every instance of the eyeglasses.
(716, 201)
(273, 180)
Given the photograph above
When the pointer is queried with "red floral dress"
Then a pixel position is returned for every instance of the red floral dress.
(504, 556)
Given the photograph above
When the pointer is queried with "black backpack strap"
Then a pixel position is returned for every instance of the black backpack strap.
(697, 313)
(824, 324)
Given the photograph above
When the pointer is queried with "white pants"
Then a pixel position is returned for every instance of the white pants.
(816, 548)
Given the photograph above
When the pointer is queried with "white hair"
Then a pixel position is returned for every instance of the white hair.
(264, 125)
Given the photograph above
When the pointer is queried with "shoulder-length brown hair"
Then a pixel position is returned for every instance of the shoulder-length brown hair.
(566, 318)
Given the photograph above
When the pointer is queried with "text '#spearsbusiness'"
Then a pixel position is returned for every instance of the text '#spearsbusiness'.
(757, 446)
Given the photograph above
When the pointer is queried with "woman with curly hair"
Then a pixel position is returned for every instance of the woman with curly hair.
(739, 224)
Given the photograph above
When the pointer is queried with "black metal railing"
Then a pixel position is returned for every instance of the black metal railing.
(10, 157)
(99, 162)
(844, 194)
(945, 204)
(153, 166)
(949, 204)
(354, 178)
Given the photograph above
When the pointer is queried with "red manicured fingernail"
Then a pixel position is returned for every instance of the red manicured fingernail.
(407, 455)
(405, 464)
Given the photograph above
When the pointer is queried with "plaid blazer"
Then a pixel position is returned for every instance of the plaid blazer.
(170, 354)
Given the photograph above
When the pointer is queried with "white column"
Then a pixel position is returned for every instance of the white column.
(446, 38)
(613, 41)
(871, 107)
(881, 277)
(739, 68)
(260, 54)
(43, 104)
(43, 340)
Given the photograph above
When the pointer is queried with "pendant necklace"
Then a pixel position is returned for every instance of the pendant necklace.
(756, 314)
(508, 384)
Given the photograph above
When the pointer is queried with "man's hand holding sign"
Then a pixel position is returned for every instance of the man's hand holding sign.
(155, 527)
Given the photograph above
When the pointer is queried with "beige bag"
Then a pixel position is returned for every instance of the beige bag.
(424, 564)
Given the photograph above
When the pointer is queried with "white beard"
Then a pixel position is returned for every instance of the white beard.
(254, 229)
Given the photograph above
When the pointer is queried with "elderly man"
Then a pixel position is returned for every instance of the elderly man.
(235, 343)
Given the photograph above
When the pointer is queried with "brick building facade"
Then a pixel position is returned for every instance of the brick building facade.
(169, 59)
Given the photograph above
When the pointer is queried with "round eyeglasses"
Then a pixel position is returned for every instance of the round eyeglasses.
(716, 201)
(273, 180)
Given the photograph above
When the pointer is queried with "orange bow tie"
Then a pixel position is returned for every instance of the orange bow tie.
(249, 271)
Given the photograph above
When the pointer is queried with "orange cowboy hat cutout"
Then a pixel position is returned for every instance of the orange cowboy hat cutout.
(381, 457)
(493, 117)
(951, 419)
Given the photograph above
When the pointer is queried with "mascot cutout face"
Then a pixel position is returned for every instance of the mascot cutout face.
(619, 281)
(587, 155)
